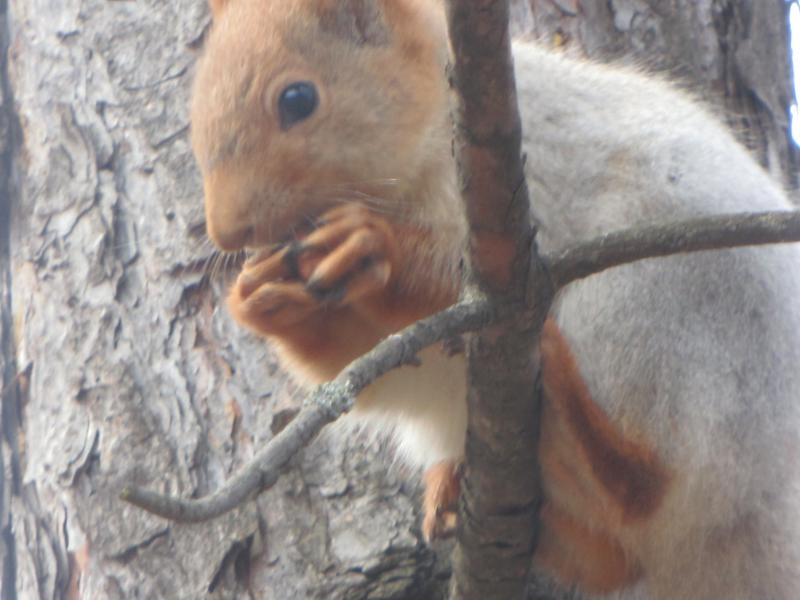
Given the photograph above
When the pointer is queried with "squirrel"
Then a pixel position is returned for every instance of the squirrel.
(671, 414)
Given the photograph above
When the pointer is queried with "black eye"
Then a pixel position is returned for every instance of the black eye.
(297, 102)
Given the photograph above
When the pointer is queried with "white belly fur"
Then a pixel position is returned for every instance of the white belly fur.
(422, 407)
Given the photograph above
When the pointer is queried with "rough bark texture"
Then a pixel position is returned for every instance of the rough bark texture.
(10, 384)
(119, 364)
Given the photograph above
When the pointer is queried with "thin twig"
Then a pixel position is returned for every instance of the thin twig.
(325, 404)
(705, 233)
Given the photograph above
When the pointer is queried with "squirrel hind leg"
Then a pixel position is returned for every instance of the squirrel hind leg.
(578, 555)
(440, 500)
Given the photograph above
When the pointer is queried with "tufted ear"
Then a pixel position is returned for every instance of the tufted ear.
(362, 22)
(217, 6)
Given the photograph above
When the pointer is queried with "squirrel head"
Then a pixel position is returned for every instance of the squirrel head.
(299, 105)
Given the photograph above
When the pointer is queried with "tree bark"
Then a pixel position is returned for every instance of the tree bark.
(10, 384)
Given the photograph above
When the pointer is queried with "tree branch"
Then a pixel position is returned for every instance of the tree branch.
(328, 402)
(500, 489)
(706, 233)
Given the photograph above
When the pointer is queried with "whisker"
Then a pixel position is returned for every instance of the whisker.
(215, 260)
(230, 261)
(219, 265)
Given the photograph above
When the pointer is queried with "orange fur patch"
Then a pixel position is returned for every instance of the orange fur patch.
(629, 471)
(579, 556)
(217, 6)
(442, 488)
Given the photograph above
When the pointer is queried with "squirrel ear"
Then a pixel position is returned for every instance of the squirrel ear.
(217, 6)
(359, 21)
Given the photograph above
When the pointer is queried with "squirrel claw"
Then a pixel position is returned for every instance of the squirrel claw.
(288, 263)
(259, 271)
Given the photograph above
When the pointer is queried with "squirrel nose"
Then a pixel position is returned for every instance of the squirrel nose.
(228, 239)
(228, 220)
(226, 226)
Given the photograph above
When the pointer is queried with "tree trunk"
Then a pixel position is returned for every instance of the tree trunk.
(119, 361)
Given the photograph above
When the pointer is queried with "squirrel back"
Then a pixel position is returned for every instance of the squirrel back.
(697, 354)
(671, 418)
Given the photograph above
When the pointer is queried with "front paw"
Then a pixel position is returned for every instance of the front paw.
(271, 307)
(349, 255)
